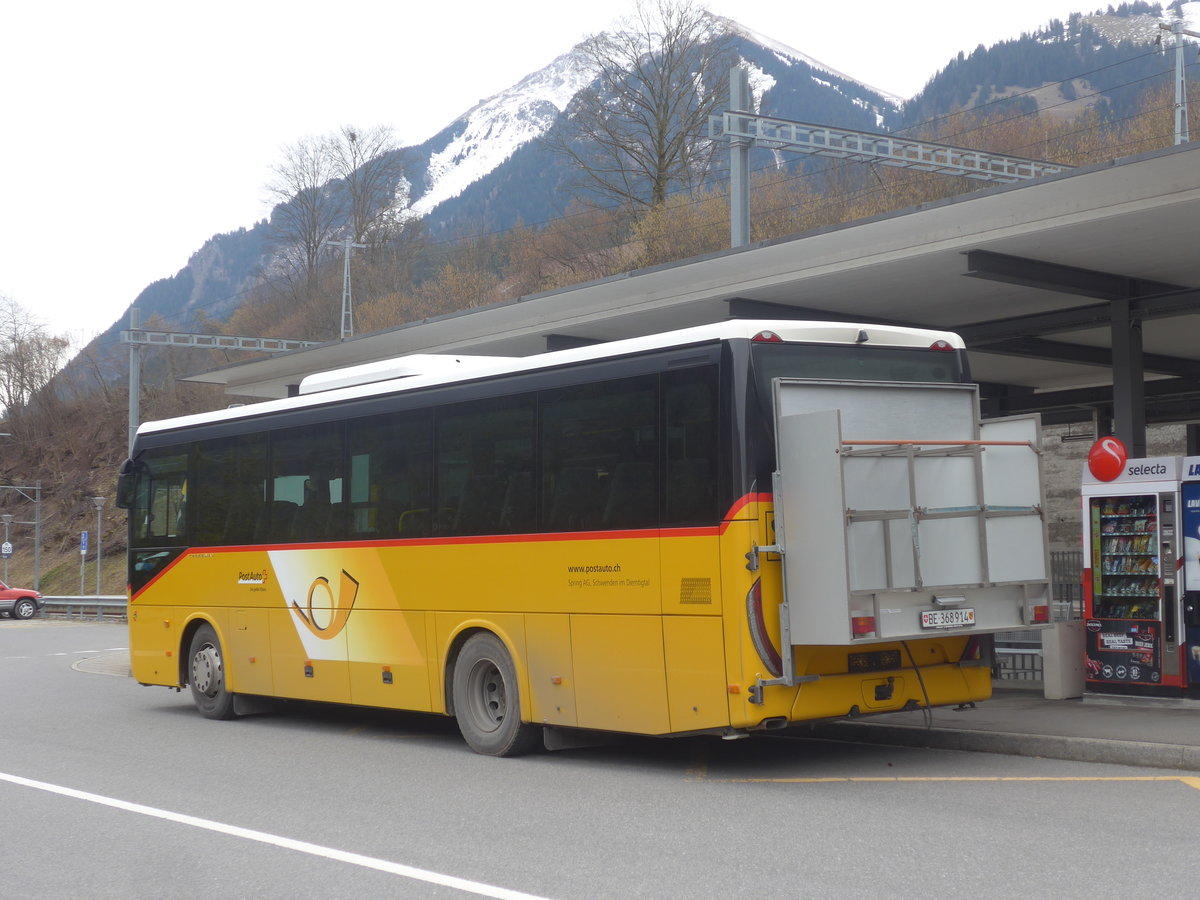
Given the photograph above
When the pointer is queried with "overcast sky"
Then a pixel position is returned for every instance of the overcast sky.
(136, 130)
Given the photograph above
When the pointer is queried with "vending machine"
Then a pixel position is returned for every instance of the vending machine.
(1133, 599)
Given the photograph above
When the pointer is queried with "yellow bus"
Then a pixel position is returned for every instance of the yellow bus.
(582, 539)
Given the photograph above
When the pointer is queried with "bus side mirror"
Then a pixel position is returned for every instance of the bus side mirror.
(127, 482)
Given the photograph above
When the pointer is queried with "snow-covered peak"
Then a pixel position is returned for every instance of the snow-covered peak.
(784, 50)
(488, 134)
(484, 137)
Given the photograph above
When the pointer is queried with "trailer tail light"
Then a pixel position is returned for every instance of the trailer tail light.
(944, 346)
(767, 337)
(1039, 615)
(758, 631)
(973, 652)
(862, 626)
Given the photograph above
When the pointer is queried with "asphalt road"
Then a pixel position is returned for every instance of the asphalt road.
(108, 789)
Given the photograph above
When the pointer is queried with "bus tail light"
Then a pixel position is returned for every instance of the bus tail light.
(862, 626)
(758, 631)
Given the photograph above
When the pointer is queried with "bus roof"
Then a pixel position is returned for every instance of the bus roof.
(428, 370)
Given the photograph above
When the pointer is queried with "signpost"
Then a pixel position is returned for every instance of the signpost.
(99, 501)
(82, 557)
(6, 547)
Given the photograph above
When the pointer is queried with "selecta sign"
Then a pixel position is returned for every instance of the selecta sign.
(1108, 461)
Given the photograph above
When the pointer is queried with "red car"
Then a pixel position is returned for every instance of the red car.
(20, 603)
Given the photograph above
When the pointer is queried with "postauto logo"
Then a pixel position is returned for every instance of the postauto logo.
(324, 614)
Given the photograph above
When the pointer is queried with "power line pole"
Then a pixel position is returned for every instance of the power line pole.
(739, 161)
(135, 379)
(347, 305)
(1182, 134)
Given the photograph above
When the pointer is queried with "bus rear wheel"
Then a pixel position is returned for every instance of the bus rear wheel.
(487, 701)
(206, 675)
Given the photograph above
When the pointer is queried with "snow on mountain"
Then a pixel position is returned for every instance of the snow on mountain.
(489, 133)
(787, 55)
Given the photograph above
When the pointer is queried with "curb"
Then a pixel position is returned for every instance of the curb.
(1080, 749)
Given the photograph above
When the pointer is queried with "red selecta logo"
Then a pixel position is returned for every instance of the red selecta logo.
(1107, 458)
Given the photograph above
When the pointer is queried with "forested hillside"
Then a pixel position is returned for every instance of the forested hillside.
(1103, 61)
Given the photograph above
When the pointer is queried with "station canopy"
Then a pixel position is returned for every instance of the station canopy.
(1047, 281)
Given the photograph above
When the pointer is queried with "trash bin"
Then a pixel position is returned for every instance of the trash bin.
(1062, 661)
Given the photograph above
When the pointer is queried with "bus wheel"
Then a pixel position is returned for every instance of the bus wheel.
(487, 701)
(206, 675)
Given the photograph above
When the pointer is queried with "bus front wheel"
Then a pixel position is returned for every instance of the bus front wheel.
(487, 701)
(206, 675)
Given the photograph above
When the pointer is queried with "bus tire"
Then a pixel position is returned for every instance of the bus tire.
(206, 675)
(487, 700)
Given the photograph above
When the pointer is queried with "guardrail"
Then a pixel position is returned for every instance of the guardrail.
(95, 607)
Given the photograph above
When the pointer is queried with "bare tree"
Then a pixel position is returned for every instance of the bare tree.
(29, 356)
(308, 209)
(347, 184)
(371, 167)
(639, 131)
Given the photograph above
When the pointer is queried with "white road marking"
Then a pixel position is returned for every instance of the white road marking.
(68, 653)
(355, 859)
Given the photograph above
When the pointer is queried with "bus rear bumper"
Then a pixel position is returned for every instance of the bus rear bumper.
(838, 696)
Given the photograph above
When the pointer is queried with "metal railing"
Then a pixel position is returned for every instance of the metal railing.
(101, 606)
(1018, 656)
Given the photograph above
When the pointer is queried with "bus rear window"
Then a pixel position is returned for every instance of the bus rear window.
(854, 363)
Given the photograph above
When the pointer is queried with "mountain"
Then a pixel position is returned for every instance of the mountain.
(487, 170)
(1104, 60)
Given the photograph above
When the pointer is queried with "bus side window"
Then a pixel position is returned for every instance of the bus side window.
(391, 476)
(600, 452)
(227, 489)
(306, 470)
(483, 450)
(691, 423)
